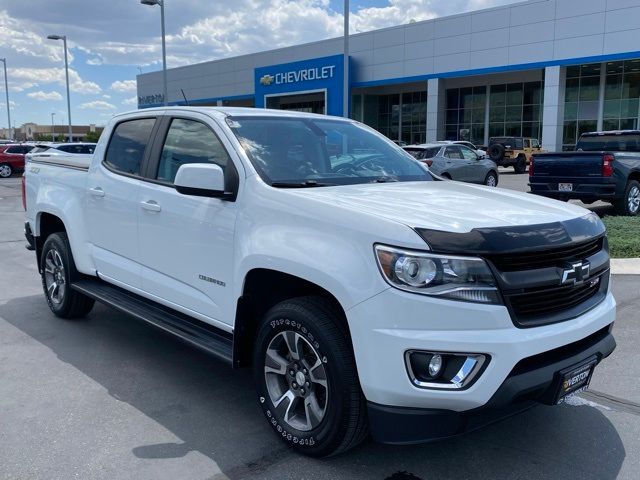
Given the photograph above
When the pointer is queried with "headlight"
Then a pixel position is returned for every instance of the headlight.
(445, 276)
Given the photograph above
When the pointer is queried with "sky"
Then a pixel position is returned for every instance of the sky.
(111, 41)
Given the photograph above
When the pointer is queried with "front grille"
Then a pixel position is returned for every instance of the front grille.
(546, 258)
(536, 303)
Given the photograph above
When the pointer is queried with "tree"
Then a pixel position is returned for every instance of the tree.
(92, 137)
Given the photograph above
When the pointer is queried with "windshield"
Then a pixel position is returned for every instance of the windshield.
(290, 152)
(614, 143)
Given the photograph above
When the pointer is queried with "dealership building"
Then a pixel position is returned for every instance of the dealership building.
(550, 69)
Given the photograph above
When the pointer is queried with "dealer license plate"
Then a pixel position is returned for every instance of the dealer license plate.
(575, 380)
(565, 187)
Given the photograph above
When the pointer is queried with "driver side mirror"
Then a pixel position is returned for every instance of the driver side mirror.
(201, 180)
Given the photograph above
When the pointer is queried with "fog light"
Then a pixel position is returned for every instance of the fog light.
(435, 365)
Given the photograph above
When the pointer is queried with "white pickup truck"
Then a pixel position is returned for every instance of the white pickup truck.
(367, 295)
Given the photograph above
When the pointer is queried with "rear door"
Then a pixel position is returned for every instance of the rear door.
(456, 164)
(186, 242)
(473, 171)
(112, 201)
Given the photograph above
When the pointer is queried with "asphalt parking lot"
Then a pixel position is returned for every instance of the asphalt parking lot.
(111, 398)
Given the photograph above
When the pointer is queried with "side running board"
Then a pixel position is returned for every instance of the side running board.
(200, 334)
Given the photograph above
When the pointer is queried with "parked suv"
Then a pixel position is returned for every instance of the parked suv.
(513, 151)
(12, 158)
(365, 295)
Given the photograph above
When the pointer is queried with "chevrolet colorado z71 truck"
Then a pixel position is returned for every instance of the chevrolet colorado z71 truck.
(606, 166)
(366, 295)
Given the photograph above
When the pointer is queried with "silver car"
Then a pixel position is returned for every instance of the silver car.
(456, 162)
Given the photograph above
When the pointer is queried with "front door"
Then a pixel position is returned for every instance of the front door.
(186, 242)
(457, 165)
(112, 190)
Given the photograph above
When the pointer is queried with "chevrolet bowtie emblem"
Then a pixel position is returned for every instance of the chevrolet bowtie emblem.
(576, 273)
(266, 80)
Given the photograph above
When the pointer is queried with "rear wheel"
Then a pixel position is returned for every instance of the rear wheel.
(446, 176)
(306, 378)
(491, 180)
(521, 164)
(5, 170)
(629, 204)
(58, 271)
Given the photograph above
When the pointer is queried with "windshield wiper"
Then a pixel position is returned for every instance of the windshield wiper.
(303, 184)
(384, 180)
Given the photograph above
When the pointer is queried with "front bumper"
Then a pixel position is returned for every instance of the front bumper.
(533, 380)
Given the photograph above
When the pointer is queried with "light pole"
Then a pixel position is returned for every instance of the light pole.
(6, 91)
(66, 71)
(345, 84)
(164, 47)
(53, 130)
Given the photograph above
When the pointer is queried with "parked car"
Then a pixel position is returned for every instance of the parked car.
(606, 166)
(456, 162)
(475, 148)
(364, 295)
(513, 151)
(12, 158)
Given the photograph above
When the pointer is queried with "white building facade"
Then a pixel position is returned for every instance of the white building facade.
(549, 69)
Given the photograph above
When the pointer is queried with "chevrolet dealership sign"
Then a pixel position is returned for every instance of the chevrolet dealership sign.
(323, 74)
(296, 76)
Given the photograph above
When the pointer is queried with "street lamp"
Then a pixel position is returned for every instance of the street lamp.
(66, 71)
(6, 90)
(164, 48)
(53, 130)
(345, 85)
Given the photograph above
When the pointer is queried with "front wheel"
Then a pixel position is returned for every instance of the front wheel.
(306, 378)
(629, 204)
(5, 170)
(491, 180)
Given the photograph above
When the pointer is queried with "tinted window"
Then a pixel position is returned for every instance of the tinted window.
(504, 141)
(319, 152)
(535, 143)
(527, 143)
(13, 150)
(77, 148)
(128, 142)
(453, 152)
(189, 141)
(468, 153)
(40, 149)
(613, 143)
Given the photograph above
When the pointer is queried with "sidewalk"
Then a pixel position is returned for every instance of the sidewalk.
(625, 266)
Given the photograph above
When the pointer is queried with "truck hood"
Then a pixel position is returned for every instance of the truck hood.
(444, 205)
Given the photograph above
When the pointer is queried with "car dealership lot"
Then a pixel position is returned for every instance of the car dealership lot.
(109, 397)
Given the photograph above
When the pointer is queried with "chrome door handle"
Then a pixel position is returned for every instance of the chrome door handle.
(96, 192)
(151, 206)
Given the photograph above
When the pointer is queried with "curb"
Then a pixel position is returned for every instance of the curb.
(625, 266)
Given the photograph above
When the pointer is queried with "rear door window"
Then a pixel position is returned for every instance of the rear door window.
(453, 152)
(519, 144)
(189, 141)
(128, 145)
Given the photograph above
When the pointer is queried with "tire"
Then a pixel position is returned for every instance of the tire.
(5, 170)
(629, 204)
(496, 152)
(521, 165)
(491, 180)
(446, 176)
(335, 418)
(58, 271)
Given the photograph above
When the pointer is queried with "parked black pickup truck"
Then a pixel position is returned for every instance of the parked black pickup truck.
(605, 166)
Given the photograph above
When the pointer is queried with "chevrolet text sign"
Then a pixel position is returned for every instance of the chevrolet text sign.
(316, 74)
(296, 76)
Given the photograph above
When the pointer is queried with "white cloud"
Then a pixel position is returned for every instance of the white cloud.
(124, 86)
(45, 96)
(106, 96)
(130, 101)
(35, 76)
(94, 61)
(98, 105)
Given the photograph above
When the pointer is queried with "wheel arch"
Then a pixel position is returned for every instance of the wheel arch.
(256, 300)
